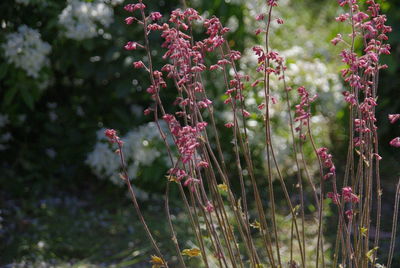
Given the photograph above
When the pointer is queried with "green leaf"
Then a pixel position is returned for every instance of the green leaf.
(3, 70)
(370, 254)
(27, 97)
(9, 96)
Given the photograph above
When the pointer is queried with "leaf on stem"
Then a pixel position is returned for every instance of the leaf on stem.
(193, 252)
(370, 254)
(223, 187)
(157, 262)
(255, 225)
(363, 231)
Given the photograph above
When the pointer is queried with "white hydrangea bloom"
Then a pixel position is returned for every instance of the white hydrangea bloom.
(79, 18)
(26, 50)
(139, 150)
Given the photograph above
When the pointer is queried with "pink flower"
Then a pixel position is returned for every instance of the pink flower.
(279, 21)
(138, 64)
(393, 118)
(348, 195)
(190, 181)
(155, 16)
(129, 7)
(349, 214)
(131, 45)
(215, 67)
(148, 111)
(395, 142)
(335, 197)
(272, 3)
(245, 113)
(203, 164)
(260, 17)
(111, 134)
(209, 207)
(337, 39)
(229, 125)
(129, 20)
(139, 6)
(343, 17)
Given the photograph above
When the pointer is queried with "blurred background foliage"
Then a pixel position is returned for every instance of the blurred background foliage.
(64, 77)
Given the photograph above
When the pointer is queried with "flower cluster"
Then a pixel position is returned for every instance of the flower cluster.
(348, 196)
(303, 108)
(362, 70)
(327, 161)
(26, 50)
(186, 137)
(80, 18)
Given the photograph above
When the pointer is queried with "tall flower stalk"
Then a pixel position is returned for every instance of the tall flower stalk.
(222, 224)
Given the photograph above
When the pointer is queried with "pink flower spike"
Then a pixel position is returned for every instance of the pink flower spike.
(395, 142)
(393, 118)
(202, 164)
(111, 134)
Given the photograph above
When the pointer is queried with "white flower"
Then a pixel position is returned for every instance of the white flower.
(140, 150)
(26, 50)
(79, 18)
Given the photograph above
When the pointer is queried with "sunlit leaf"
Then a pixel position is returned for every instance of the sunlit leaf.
(172, 178)
(157, 262)
(223, 187)
(363, 231)
(370, 254)
(255, 225)
(193, 252)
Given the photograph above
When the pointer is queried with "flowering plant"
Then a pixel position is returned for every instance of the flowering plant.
(198, 162)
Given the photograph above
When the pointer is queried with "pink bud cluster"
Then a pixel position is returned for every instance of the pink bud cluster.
(186, 137)
(112, 136)
(270, 62)
(348, 197)
(302, 113)
(327, 162)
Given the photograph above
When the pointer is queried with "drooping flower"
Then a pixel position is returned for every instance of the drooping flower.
(395, 142)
